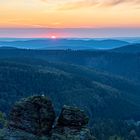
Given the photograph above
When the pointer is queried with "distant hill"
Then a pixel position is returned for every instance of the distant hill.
(60, 44)
(134, 48)
(7, 47)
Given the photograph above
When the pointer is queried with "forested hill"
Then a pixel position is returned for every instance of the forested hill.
(121, 64)
(135, 48)
(98, 93)
(105, 84)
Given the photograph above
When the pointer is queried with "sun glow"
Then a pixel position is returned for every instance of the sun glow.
(53, 37)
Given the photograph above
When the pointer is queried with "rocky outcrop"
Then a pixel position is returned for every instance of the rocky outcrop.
(72, 117)
(67, 133)
(33, 115)
(33, 119)
(71, 125)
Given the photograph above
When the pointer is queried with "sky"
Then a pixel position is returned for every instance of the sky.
(69, 18)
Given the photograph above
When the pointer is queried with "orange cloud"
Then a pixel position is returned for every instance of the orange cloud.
(78, 4)
(90, 3)
(116, 2)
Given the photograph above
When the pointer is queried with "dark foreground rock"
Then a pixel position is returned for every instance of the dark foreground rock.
(67, 133)
(71, 125)
(33, 119)
(72, 117)
(33, 115)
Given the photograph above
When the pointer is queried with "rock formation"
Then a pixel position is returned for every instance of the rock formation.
(33, 119)
(72, 117)
(33, 115)
(71, 125)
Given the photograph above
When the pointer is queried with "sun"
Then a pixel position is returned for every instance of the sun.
(53, 37)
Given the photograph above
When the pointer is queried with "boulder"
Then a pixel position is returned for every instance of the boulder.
(72, 117)
(71, 125)
(33, 115)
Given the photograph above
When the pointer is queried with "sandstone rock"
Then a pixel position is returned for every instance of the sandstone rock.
(66, 133)
(32, 119)
(72, 117)
(34, 115)
(71, 125)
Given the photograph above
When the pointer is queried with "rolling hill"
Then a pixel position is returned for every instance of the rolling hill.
(101, 82)
(134, 48)
(98, 93)
(126, 65)
(60, 44)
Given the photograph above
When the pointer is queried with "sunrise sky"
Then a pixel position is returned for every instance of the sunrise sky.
(44, 18)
